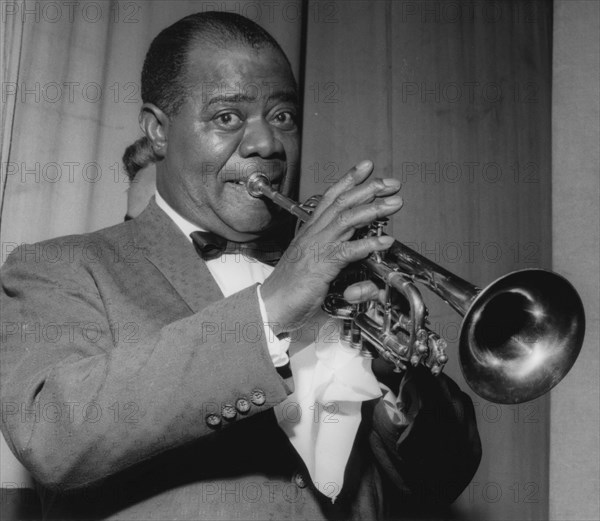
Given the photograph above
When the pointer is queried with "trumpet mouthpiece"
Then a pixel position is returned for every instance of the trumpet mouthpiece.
(256, 183)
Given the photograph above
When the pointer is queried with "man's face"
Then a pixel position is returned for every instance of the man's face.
(240, 118)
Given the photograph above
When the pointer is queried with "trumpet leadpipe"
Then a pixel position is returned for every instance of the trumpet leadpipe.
(258, 185)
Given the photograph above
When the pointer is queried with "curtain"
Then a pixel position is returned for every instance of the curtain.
(574, 457)
(452, 97)
(12, 474)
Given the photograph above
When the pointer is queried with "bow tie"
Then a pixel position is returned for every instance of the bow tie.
(211, 246)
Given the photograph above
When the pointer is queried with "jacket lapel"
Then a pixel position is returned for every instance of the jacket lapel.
(173, 254)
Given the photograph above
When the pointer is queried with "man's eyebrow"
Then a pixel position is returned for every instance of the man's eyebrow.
(283, 96)
(233, 98)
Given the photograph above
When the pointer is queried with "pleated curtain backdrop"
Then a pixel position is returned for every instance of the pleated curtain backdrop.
(453, 98)
(575, 419)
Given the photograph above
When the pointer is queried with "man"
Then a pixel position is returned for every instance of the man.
(140, 380)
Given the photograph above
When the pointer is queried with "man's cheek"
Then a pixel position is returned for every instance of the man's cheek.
(209, 171)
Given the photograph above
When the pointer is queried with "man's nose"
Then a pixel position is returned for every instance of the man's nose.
(260, 140)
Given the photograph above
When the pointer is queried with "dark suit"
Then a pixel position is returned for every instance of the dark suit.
(119, 353)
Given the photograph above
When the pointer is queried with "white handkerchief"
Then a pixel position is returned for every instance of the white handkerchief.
(322, 416)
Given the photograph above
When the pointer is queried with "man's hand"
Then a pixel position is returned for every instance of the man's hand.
(323, 247)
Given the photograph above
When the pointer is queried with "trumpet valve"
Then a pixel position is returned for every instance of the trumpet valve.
(437, 357)
(350, 333)
(376, 229)
(377, 226)
(421, 348)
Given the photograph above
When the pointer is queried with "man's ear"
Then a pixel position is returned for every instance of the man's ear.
(155, 124)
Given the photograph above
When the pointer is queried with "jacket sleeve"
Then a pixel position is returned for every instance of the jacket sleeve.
(433, 455)
(80, 403)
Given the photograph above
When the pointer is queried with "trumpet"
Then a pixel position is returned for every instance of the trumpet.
(519, 336)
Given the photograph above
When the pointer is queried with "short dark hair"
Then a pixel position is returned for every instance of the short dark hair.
(165, 67)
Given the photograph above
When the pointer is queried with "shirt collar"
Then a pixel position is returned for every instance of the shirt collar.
(182, 223)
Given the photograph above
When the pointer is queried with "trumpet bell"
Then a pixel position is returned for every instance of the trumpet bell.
(521, 335)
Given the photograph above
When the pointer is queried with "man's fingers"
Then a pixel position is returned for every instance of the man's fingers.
(353, 251)
(364, 194)
(362, 292)
(366, 214)
(342, 225)
(354, 177)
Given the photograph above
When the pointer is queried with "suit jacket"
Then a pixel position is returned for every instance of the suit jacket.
(133, 390)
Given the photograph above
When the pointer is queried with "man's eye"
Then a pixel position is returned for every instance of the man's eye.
(285, 120)
(228, 121)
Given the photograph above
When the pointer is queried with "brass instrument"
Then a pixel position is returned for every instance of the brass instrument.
(519, 337)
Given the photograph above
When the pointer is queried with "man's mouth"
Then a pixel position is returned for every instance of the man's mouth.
(241, 183)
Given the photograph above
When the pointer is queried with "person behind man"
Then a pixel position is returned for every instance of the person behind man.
(142, 185)
(161, 385)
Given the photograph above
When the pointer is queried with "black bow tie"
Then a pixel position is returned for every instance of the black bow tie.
(211, 246)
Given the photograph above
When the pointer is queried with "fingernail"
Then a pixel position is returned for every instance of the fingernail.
(386, 240)
(393, 201)
(364, 165)
(388, 181)
(352, 295)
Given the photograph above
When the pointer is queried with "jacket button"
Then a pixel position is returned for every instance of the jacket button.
(242, 405)
(257, 397)
(213, 421)
(299, 480)
(228, 412)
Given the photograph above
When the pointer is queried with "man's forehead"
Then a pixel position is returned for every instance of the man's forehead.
(240, 74)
